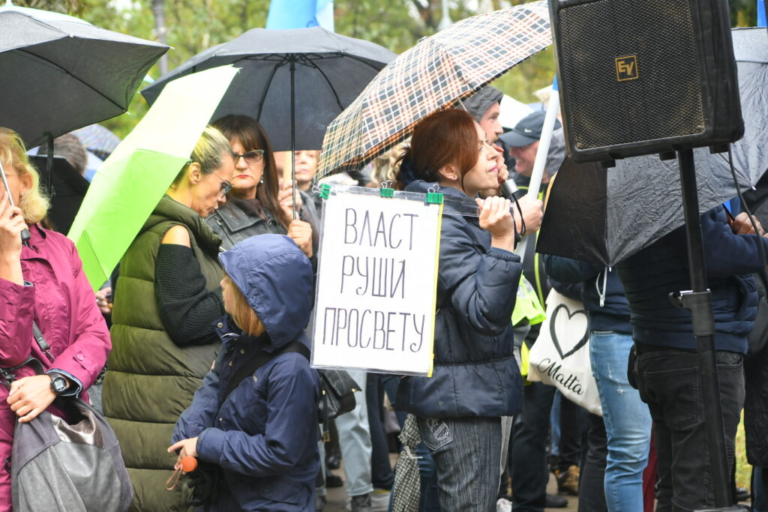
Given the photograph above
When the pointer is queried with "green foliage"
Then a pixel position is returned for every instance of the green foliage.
(194, 25)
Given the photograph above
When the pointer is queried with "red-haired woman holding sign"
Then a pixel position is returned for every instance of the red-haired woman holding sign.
(476, 379)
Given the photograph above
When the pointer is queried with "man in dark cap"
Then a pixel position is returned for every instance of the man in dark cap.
(523, 144)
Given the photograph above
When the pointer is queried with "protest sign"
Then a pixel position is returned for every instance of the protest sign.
(377, 283)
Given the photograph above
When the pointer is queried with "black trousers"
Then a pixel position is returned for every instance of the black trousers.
(592, 480)
(669, 383)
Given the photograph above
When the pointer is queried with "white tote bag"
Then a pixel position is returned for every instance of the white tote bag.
(560, 356)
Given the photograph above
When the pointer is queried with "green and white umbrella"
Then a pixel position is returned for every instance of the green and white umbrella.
(134, 178)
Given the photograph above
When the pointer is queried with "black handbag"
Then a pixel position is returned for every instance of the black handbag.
(339, 390)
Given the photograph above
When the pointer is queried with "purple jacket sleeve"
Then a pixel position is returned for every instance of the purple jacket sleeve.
(17, 309)
(87, 354)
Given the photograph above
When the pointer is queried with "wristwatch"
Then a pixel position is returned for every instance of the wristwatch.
(58, 383)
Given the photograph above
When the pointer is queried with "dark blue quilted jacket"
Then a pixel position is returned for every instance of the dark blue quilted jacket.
(662, 268)
(475, 370)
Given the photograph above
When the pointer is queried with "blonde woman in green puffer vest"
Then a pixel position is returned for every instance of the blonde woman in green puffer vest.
(166, 299)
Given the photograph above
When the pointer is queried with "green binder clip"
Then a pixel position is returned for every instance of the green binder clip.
(325, 191)
(434, 198)
(386, 189)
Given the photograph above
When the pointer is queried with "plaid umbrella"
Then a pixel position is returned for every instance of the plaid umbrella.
(449, 66)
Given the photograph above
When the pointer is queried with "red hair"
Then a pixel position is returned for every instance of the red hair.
(444, 138)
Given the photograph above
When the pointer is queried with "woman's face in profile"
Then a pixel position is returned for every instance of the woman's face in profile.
(248, 170)
(485, 174)
(211, 191)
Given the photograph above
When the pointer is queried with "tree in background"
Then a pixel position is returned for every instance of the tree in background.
(191, 26)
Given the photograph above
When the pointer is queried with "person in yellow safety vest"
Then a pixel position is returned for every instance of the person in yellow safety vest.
(528, 311)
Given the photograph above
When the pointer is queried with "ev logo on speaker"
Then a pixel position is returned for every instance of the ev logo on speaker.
(626, 68)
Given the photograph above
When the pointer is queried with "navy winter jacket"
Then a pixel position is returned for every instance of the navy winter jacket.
(613, 314)
(475, 373)
(662, 268)
(264, 436)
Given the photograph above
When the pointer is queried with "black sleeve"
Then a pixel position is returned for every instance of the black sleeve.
(187, 309)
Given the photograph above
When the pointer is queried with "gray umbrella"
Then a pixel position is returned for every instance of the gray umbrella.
(59, 73)
(605, 216)
(329, 72)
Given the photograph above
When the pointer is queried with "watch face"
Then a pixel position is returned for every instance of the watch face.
(59, 384)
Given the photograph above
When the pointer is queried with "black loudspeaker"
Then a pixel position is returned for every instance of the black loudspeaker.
(645, 76)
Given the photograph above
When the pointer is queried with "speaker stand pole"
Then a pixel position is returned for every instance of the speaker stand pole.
(699, 302)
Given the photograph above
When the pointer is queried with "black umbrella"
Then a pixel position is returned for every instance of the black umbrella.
(604, 216)
(70, 187)
(59, 73)
(308, 75)
(308, 72)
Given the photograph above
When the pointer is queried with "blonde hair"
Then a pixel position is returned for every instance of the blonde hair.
(34, 204)
(211, 145)
(243, 314)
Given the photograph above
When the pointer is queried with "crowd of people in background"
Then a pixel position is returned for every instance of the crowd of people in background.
(207, 354)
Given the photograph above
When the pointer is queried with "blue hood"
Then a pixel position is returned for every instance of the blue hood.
(276, 279)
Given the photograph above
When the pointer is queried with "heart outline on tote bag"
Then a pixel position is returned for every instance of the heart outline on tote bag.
(553, 331)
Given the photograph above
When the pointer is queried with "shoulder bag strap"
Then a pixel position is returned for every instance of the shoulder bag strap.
(256, 362)
(40, 339)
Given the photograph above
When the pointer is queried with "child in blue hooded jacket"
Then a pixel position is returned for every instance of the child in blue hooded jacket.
(261, 439)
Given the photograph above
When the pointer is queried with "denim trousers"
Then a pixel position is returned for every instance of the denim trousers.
(355, 441)
(627, 421)
(529, 470)
(467, 453)
(669, 384)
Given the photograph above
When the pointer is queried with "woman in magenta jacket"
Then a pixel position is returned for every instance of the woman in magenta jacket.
(43, 283)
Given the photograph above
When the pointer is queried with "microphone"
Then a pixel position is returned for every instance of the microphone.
(509, 189)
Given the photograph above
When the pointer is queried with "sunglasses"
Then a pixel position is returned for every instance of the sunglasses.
(225, 186)
(251, 157)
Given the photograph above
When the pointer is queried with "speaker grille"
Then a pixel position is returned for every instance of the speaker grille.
(614, 102)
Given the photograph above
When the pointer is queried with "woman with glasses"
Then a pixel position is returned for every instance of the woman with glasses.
(257, 203)
(166, 300)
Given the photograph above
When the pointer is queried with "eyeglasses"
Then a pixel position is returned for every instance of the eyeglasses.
(251, 157)
(225, 186)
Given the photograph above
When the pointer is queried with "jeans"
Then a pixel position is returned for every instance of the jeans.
(466, 452)
(669, 384)
(355, 442)
(529, 470)
(591, 481)
(627, 421)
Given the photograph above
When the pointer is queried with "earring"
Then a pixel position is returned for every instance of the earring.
(261, 181)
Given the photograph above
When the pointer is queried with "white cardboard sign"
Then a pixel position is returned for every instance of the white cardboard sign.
(377, 284)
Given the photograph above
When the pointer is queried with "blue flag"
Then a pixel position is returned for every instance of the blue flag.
(286, 14)
(761, 21)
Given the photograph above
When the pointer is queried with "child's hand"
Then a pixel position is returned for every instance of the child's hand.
(187, 447)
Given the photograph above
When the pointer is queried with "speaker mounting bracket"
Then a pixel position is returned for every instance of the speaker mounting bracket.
(667, 155)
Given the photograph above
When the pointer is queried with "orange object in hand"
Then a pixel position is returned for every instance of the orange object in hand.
(188, 464)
